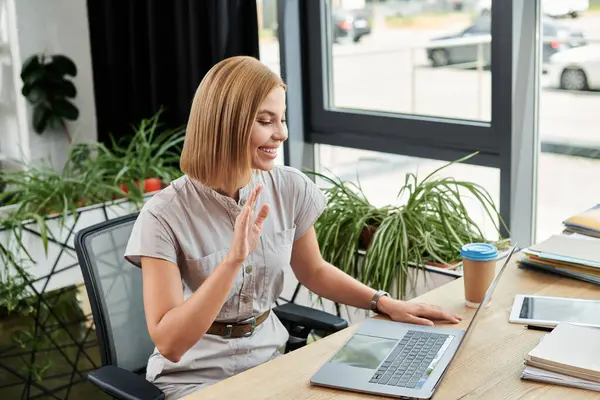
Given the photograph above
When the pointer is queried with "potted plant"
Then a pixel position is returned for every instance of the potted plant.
(145, 162)
(47, 88)
(379, 245)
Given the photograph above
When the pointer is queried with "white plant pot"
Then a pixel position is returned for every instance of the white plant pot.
(6, 210)
(58, 267)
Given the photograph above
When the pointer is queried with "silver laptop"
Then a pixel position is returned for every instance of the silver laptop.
(396, 359)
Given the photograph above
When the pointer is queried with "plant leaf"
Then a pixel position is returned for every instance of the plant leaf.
(64, 65)
(30, 65)
(65, 88)
(36, 76)
(34, 93)
(65, 109)
(41, 116)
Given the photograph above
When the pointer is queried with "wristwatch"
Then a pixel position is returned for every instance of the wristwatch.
(378, 294)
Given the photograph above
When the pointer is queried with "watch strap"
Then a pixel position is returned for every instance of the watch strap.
(378, 294)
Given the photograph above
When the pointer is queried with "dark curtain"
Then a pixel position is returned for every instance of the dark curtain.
(148, 54)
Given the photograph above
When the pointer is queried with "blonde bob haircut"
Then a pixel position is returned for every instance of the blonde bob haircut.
(216, 149)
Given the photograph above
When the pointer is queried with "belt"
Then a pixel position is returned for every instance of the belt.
(243, 328)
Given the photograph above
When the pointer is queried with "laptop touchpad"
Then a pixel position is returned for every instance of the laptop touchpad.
(363, 351)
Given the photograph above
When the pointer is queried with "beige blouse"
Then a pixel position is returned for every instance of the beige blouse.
(192, 226)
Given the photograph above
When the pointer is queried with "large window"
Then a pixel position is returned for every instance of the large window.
(413, 78)
(569, 125)
(410, 57)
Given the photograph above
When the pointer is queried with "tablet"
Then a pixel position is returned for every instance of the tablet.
(549, 311)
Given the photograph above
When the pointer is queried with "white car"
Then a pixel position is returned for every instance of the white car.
(575, 69)
(552, 8)
(562, 8)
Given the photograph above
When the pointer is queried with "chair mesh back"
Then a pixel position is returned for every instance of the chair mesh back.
(118, 287)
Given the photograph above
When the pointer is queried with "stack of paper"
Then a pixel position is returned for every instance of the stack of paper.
(570, 256)
(585, 223)
(541, 375)
(566, 356)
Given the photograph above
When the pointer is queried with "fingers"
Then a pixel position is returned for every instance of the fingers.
(244, 219)
(436, 313)
(262, 215)
(411, 319)
(251, 202)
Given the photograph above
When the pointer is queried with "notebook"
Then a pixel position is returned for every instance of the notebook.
(541, 375)
(567, 255)
(570, 350)
(567, 249)
(587, 222)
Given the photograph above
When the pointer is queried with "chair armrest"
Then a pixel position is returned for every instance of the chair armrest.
(124, 384)
(297, 315)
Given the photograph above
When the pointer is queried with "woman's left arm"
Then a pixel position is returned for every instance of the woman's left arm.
(327, 281)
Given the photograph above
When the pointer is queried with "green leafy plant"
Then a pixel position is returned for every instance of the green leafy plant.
(379, 245)
(144, 162)
(95, 173)
(47, 89)
(41, 190)
(13, 286)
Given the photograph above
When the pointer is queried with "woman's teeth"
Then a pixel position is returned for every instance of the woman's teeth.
(272, 151)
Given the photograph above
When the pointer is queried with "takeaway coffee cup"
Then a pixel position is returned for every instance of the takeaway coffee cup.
(479, 269)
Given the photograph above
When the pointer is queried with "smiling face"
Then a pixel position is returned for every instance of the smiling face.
(269, 130)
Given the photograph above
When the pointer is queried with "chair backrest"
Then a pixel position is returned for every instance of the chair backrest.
(114, 287)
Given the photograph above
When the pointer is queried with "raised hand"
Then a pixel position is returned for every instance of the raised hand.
(246, 233)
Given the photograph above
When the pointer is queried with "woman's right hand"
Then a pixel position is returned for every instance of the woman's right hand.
(247, 230)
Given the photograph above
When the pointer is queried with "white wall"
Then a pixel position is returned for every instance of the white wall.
(52, 27)
(9, 124)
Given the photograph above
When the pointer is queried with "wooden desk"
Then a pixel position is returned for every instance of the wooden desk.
(488, 366)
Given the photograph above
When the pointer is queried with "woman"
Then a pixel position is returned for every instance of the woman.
(211, 256)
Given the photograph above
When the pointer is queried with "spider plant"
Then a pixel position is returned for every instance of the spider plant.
(151, 153)
(430, 225)
(347, 224)
(41, 190)
(95, 173)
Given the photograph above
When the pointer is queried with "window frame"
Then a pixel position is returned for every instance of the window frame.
(343, 127)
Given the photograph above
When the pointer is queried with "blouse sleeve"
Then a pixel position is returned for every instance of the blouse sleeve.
(151, 237)
(309, 203)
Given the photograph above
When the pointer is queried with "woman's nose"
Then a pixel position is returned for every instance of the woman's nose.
(281, 133)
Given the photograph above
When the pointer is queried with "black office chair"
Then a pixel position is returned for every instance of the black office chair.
(114, 287)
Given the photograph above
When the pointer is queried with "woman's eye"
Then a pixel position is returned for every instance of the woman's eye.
(264, 122)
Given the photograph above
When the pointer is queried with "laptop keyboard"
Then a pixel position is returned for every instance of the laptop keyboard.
(408, 365)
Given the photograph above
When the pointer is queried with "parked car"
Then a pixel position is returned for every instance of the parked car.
(349, 25)
(575, 69)
(563, 8)
(466, 45)
(551, 8)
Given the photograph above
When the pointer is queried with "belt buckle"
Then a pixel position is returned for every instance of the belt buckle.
(228, 330)
(249, 321)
